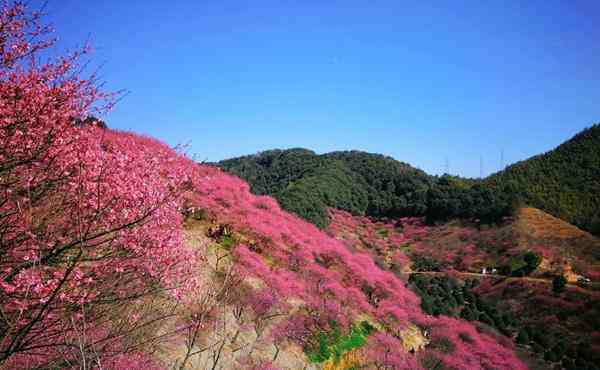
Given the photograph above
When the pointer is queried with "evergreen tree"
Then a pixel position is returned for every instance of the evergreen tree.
(558, 284)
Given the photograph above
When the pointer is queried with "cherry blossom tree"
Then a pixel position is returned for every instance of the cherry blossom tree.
(89, 218)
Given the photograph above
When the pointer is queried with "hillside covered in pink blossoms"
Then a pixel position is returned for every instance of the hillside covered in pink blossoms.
(120, 252)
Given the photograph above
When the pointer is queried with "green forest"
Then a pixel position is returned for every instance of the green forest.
(364, 184)
(564, 182)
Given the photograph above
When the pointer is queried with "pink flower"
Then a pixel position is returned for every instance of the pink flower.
(8, 289)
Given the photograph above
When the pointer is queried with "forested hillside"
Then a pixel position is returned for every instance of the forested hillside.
(564, 182)
(307, 183)
(364, 184)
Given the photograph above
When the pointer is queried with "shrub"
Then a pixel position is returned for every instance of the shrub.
(227, 241)
(431, 362)
(551, 356)
(465, 337)
(468, 314)
(532, 260)
(558, 284)
(423, 263)
(444, 345)
(523, 337)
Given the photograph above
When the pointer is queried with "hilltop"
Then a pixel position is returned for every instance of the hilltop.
(564, 182)
(364, 184)
(307, 183)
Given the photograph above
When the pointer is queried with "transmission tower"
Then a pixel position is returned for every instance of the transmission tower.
(480, 166)
(447, 167)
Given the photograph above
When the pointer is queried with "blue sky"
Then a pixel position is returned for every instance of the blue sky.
(420, 81)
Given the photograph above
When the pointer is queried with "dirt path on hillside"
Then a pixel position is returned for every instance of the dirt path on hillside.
(507, 278)
(527, 278)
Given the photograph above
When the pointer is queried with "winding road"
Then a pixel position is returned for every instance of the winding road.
(590, 286)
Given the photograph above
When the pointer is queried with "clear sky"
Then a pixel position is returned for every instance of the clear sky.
(420, 81)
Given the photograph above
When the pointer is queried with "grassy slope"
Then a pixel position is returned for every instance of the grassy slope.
(566, 249)
(577, 248)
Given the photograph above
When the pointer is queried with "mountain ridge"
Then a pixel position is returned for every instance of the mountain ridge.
(562, 181)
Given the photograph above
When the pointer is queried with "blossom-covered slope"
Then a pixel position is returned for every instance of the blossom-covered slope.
(133, 193)
(118, 252)
(500, 277)
(327, 283)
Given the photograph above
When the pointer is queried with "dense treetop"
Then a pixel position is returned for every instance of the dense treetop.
(307, 183)
(364, 184)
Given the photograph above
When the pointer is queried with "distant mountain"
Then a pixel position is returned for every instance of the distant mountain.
(363, 184)
(307, 183)
(564, 182)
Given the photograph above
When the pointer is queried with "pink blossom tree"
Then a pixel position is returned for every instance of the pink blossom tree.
(89, 218)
